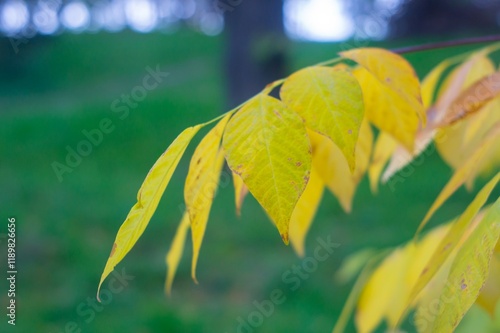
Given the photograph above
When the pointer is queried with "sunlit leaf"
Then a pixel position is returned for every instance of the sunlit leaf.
(174, 254)
(304, 212)
(469, 271)
(330, 102)
(394, 72)
(473, 98)
(201, 183)
(333, 169)
(267, 145)
(148, 198)
(387, 109)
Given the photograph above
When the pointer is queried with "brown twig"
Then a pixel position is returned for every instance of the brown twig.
(452, 43)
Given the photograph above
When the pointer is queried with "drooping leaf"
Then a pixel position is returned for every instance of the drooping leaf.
(266, 144)
(201, 183)
(394, 72)
(174, 254)
(452, 239)
(384, 147)
(387, 109)
(240, 192)
(148, 198)
(386, 292)
(464, 75)
(304, 212)
(469, 271)
(463, 173)
(330, 102)
(333, 169)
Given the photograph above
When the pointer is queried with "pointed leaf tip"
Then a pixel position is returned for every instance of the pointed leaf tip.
(148, 197)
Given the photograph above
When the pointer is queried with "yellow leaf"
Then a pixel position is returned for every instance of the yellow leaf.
(386, 292)
(330, 102)
(266, 144)
(240, 192)
(490, 293)
(431, 81)
(473, 98)
(384, 147)
(463, 173)
(394, 72)
(148, 198)
(201, 183)
(174, 254)
(469, 271)
(304, 212)
(387, 109)
(452, 239)
(333, 169)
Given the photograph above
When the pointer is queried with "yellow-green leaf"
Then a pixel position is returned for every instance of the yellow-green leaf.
(384, 147)
(174, 254)
(201, 184)
(333, 169)
(490, 293)
(266, 144)
(387, 110)
(386, 292)
(304, 212)
(469, 271)
(452, 238)
(240, 192)
(331, 103)
(463, 173)
(394, 72)
(430, 82)
(148, 198)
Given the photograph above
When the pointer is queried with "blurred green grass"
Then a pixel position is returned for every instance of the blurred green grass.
(66, 229)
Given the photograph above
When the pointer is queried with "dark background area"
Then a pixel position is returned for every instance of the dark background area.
(56, 86)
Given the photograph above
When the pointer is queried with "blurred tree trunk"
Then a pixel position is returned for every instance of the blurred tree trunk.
(256, 49)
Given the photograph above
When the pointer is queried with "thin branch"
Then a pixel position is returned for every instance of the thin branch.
(452, 43)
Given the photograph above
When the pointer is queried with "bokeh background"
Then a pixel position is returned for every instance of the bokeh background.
(67, 65)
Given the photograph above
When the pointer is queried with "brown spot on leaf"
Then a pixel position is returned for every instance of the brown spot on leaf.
(298, 164)
(446, 247)
(277, 113)
(388, 80)
(284, 237)
(199, 160)
(349, 132)
(113, 249)
(463, 285)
